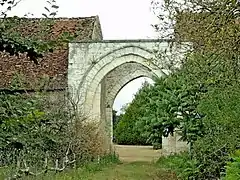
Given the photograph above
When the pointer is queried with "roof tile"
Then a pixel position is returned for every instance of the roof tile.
(52, 65)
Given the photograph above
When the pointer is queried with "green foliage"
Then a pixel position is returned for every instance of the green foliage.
(206, 88)
(202, 101)
(208, 69)
(41, 126)
(209, 121)
(233, 167)
(26, 129)
(171, 104)
(148, 123)
(220, 133)
(126, 131)
(221, 126)
(82, 172)
(181, 164)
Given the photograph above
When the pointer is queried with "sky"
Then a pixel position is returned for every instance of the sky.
(120, 19)
(126, 95)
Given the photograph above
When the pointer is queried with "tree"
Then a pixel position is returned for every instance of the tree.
(213, 27)
(204, 92)
(126, 131)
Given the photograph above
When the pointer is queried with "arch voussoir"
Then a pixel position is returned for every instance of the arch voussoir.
(117, 62)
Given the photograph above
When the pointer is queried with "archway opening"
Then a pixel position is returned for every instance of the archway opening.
(128, 143)
(127, 111)
(108, 83)
(118, 82)
(112, 83)
(126, 94)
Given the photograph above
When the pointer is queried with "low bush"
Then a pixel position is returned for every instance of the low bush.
(221, 131)
(126, 133)
(40, 132)
(181, 164)
(219, 138)
(233, 167)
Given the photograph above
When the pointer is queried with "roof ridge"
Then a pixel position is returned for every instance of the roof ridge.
(55, 18)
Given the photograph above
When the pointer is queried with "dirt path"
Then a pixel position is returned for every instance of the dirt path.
(137, 164)
(129, 153)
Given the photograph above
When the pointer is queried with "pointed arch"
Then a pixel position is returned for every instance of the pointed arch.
(108, 63)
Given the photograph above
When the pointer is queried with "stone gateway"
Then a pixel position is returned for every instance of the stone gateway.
(98, 70)
(93, 70)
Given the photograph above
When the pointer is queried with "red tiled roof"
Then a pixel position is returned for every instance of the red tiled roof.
(53, 65)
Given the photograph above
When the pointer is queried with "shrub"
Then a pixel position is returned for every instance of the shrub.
(233, 167)
(181, 164)
(125, 131)
(42, 128)
(221, 128)
(126, 134)
(219, 133)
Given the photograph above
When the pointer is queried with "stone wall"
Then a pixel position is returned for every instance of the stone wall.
(98, 70)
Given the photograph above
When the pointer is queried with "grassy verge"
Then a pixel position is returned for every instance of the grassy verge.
(81, 172)
(181, 164)
(111, 169)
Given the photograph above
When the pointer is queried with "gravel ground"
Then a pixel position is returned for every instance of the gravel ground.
(129, 153)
